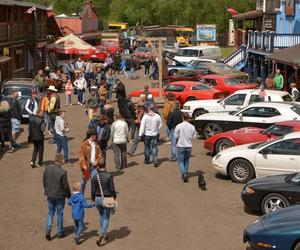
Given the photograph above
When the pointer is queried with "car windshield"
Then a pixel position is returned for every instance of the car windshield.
(233, 81)
(175, 88)
(293, 178)
(188, 53)
(278, 130)
(262, 144)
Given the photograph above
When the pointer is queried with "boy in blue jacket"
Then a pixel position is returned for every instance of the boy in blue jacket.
(78, 204)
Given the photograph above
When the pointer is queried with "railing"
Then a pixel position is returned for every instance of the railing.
(4, 35)
(268, 41)
(236, 57)
(18, 31)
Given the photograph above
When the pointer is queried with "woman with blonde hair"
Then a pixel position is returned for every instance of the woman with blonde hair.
(5, 125)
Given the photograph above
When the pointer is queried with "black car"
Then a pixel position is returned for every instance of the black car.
(270, 193)
(24, 86)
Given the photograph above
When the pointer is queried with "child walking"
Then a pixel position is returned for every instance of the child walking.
(78, 204)
(69, 92)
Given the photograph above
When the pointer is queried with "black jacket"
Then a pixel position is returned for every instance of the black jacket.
(16, 110)
(121, 92)
(36, 128)
(55, 182)
(5, 117)
(174, 118)
(107, 184)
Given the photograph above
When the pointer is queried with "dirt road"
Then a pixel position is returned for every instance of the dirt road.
(156, 210)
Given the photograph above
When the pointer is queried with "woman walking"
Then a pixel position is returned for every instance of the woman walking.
(103, 187)
(110, 80)
(69, 91)
(81, 86)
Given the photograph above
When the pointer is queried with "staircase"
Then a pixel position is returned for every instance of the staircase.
(238, 58)
(51, 61)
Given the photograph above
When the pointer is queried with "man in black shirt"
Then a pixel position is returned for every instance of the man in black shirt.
(121, 96)
(16, 113)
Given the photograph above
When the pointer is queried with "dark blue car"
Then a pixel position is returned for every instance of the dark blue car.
(278, 230)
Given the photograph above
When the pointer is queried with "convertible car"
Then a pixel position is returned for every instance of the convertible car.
(186, 91)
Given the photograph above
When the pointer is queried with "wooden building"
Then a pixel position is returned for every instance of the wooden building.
(23, 38)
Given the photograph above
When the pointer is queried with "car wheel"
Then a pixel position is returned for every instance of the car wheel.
(173, 72)
(297, 246)
(272, 202)
(199, 112)
(165, 82)
(241, 171)
(191, 98)
(211, 129)
(223, 144)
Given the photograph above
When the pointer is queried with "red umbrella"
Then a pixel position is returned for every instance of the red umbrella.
(100, 55)
(71, 44)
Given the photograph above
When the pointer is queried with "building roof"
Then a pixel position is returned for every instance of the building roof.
(289, 56)
(21, 3)
(249, 15)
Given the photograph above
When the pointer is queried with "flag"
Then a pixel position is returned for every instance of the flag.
(232, 11)
(32, 9)
(262, 92)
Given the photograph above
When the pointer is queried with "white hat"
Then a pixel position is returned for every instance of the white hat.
(94, 87)
(52, 88)
(150, 96)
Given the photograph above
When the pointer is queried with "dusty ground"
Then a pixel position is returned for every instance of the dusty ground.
(156, 210)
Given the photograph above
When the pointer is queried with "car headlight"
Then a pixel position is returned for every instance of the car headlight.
(186, 107)
(249, 190)
(256, 221)
(218, 156)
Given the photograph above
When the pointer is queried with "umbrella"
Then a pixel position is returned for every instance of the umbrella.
(71, 44)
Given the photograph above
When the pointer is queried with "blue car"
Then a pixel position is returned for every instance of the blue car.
(278, 230)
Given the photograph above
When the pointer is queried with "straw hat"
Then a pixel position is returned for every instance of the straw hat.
(52, 88)
(4, 105)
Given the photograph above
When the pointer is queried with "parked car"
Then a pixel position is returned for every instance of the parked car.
(270, 193)
(278, 230)
(188, 54)
(188, 76)
(186, 90)
(222, 141)
(245, 162)
(234, 102)
(195, 65)
(227, 83)
(143, 52)
(261, 115)
(24, 86)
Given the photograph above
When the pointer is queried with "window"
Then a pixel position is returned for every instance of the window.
(18, 59)
(285, 147)
(233, 81)
(296, 109)
(209, 82)
(255, 98)
(200, 87)
(175, 88)
(237, 99)
(190, 73)
(287, 98)
(260, 112)
(188, 53)
(278, 130)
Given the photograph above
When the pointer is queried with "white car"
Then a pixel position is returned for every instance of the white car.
(261, 115)
(234, 102)
(245, 162)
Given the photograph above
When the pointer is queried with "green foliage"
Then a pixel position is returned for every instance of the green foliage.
(158, 12)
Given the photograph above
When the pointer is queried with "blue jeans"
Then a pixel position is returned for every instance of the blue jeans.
(79, 225)
(62, 143)
(132, 73)
(84, 181)
(55, 204)
(110, 91)
(104, 215)
(135, 141)
(80, 95)
(103, 147)
(151, 144)
(173, 145)
(183, 159)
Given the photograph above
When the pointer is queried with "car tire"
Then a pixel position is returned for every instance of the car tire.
(199, 112)
(297, 246)
(223, 144)
(211, 129)
(241, 171)
(191, 98)
(173, 72)
(272, 202)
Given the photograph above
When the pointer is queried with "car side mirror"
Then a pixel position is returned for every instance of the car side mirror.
(241, 116)
(264, 151)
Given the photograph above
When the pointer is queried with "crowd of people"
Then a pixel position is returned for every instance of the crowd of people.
(109, 127)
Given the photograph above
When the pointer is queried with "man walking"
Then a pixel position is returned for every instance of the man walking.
(173, 120)
(31, 105)
(149, 129)
(279, 81)
(184, 134)
(36, 134)
(121, 96)
(16, 116)
(92, 104)
(53, 107)
(60, 135)
(56, 188)
(119, 136)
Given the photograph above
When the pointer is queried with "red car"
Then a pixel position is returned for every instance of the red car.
(222, 141)
(143, 52)
(187, 76)
(226, 83)
(186, 91)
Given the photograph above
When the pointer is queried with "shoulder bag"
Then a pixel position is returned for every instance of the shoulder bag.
(108, 202)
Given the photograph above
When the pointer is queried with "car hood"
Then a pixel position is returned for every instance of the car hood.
(247, 130)
(276, 179)
(236, 149)
(203, 102)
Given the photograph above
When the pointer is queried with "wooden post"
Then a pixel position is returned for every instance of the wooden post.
(160, 65)
(35, 34)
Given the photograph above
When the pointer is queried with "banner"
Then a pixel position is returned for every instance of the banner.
(206, 33)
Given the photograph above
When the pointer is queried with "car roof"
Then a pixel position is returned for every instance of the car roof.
(220, 76)
(190, 83)
(200, 47)
(273, 104)
(19, 81)
(257, 91)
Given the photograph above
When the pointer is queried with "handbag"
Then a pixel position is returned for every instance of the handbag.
(108, 202)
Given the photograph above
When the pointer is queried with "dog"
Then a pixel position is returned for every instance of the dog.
(201, 182)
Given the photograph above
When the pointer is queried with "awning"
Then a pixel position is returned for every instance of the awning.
(290, 56)
(90, 35)
(249, 15)
(4, 59)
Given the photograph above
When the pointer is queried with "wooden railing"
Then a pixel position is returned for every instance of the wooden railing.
(4, 32)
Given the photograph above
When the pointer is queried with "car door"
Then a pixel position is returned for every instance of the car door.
(233, 102)
(280, 157)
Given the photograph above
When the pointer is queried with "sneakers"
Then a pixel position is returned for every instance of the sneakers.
(98, 242)
(32, 164)
(184, 178)
(77, 241)
(156, 164)
(60, 236)
(78, 103)
(48, 236)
